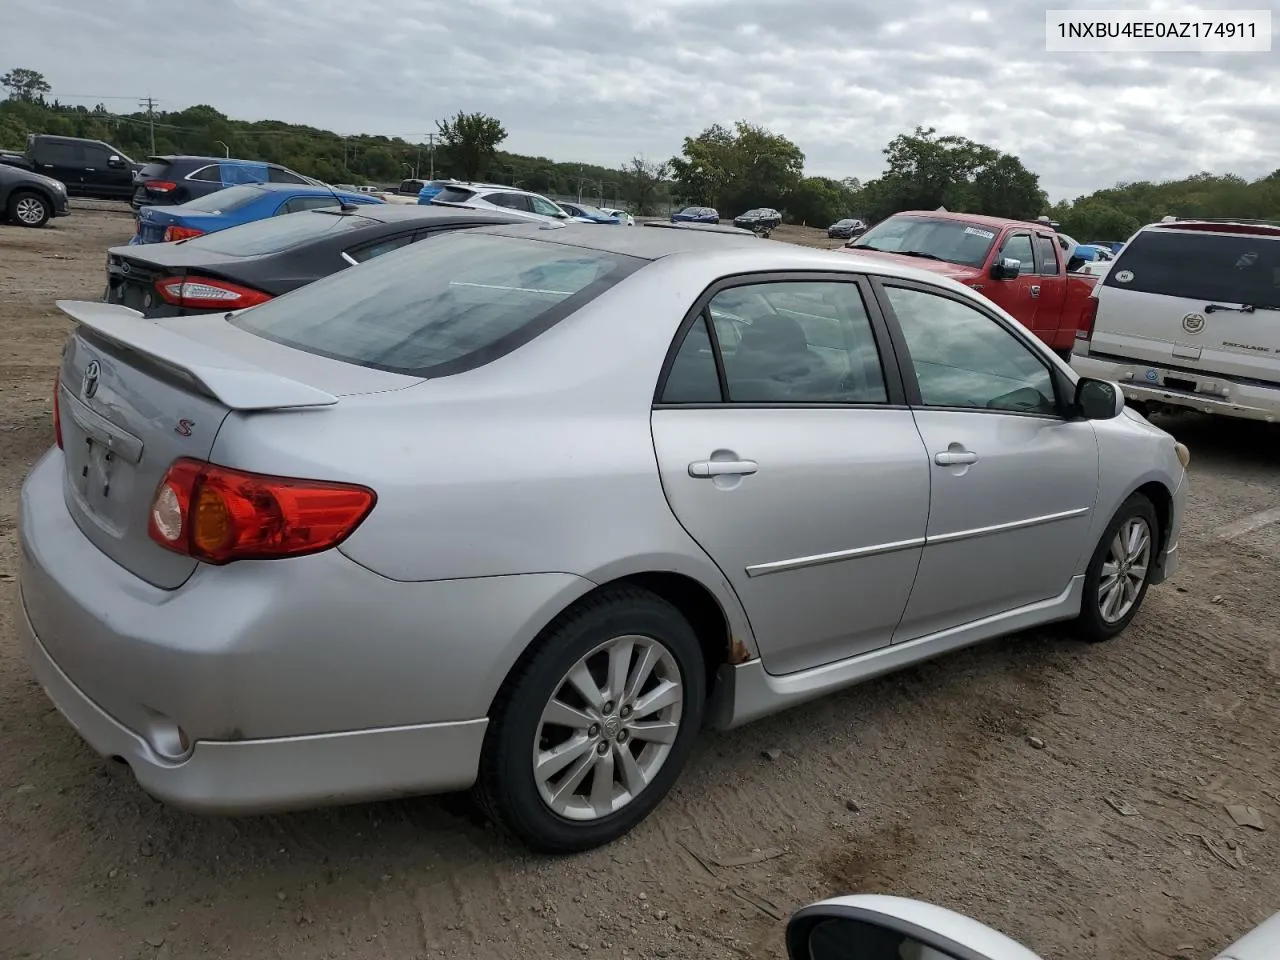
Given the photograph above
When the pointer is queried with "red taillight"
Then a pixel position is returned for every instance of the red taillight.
(217, 514)
(1090, 317)
(205, 293)
(160, 186)
(57, 412)
(181, 233)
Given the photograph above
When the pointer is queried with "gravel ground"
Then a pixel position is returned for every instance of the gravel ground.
(1072, 796)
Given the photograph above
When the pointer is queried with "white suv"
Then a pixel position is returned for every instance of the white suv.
(522, 203)
(1188, 316)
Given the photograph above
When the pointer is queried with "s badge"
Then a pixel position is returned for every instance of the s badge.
(183, 429)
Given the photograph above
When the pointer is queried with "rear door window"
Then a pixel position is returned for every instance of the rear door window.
(467, 301)
(1201, 265)
(281, 175)
(275, 234)
(1048, 255)
(233, 173)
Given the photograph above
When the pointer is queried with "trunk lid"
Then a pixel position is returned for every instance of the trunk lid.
(1201, 298)
(132, 275)
(135, 395)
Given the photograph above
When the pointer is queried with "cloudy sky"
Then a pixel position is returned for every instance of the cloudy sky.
(604, 80)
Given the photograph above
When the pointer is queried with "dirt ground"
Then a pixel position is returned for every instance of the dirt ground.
(1071, 796)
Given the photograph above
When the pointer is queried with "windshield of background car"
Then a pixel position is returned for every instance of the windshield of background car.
(952, 240)
(275, 233)
(469, 300)
(224, 201)
(1206, 266)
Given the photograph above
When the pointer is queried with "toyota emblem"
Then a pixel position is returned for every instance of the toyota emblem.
(1193, 322)
(124, 267)
(89, 385)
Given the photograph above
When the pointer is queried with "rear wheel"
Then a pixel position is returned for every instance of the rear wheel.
(590, 733)
(1116, 581)
(29, 209)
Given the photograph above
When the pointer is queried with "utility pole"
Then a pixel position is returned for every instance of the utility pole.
(431, 145)
(150, 104)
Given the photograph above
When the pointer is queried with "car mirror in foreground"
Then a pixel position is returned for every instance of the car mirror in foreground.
(1098, 399)
(873, 927)
(1006, 268)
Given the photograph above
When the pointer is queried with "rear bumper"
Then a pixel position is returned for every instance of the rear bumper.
(1241, 400)
(270, 685)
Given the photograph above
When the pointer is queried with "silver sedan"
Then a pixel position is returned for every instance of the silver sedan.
(521, 508)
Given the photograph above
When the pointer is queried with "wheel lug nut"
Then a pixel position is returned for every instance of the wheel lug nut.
(622, 736)
(624, 712)
(593, 730)
(602, 749)
(608, 707)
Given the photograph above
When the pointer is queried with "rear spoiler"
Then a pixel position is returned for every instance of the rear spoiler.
(235, 383)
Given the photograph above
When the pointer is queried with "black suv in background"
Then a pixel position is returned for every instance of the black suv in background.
(87, 168)
(164, 181)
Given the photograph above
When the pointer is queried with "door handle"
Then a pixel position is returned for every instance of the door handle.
(723, 468)
(954, 458)
(1035, 290)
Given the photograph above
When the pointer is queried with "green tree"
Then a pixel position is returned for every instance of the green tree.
(642, 181)
(747, 166)
(705, 165)
(471, 142)
(26, 85)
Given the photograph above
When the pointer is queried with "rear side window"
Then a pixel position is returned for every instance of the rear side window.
(209, 174)
(281, 175)
(454, 195)
(275, 234)
(1205, 266)
(467, 301)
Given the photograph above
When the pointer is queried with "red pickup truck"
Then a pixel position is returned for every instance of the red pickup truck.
(980, 252)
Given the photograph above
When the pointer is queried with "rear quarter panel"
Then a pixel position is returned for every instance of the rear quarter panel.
(540, 462)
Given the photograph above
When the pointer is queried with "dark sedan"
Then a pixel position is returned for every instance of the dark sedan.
(759, 219)
(846, 229)
(696, 215)
(252, 263)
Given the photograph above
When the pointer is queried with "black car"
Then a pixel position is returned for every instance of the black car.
(168, 180)
(846, 229)
(254, 262)
(30, 199)
(763, 219)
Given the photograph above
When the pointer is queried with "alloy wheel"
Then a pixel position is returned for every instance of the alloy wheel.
(608, 728)
(29, 210)
(1125, 569)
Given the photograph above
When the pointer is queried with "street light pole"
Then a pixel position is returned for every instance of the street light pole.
(226, 151)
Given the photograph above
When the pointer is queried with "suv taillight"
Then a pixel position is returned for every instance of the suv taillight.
(206, 293)
(173, 233)
(57, 412)
(218, 515)
(160, 186)
(1090, 317)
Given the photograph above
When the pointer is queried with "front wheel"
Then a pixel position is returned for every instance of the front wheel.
(1119, 574)
(590, 732)
(29, 209)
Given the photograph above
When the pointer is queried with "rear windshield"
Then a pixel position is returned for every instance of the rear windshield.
(276, 233)
(469, 300)
(224, 201)
(1205, 266)
(154, 170)
(454, 195)
(952, 240)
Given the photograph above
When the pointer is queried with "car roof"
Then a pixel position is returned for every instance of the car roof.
(398, 212)
(997, 222)
(196, 158)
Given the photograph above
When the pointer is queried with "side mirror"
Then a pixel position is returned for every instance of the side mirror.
(874, 927)
(1006, 268)
(1098, 399)
(114, 161)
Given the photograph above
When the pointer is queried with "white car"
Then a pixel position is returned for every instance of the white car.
(1188, 317)
(522, 203)
(875, 927)
(627, 219)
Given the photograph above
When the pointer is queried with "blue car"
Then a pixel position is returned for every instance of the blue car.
(588, 213)
(234, 206)
(696, 215)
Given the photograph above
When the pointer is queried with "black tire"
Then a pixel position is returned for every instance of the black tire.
(506, 788)
(29, 209)
(1091, 626)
